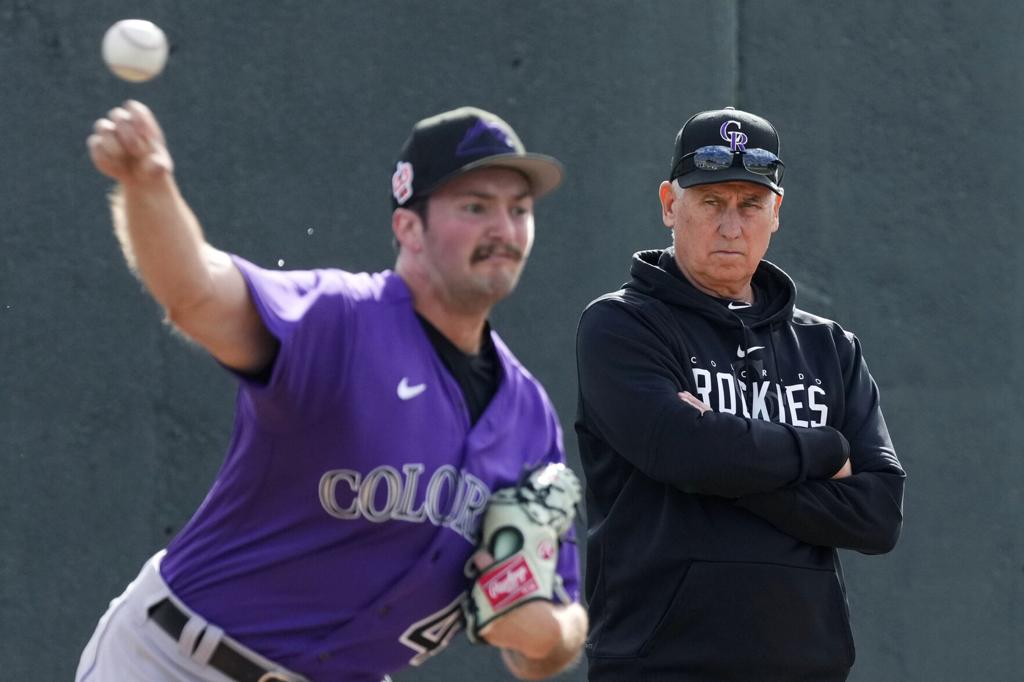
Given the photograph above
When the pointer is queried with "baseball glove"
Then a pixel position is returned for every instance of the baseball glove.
(523, 527)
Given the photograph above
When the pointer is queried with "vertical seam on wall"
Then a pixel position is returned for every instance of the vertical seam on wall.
(737, 58)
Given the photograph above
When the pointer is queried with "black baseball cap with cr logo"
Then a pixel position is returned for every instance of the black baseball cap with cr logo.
(724, 145)
(449, 144)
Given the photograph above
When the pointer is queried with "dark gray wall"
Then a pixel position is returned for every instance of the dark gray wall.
(900, 128)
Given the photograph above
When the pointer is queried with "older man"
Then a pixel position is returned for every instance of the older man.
(731, 441)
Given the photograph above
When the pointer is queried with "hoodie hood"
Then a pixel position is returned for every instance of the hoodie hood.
(656, 274)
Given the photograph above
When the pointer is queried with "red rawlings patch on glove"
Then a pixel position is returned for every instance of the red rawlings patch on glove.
(508, 583)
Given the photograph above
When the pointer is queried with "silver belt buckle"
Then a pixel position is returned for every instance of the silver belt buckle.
(274, 677)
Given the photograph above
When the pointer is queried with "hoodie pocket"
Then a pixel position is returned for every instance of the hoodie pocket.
(754, 621)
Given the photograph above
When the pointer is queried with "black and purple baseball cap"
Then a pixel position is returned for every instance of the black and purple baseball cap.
(449, 144)
(724, 145)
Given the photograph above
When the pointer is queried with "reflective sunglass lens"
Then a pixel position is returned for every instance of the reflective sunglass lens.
(760, 161)
(712, 158)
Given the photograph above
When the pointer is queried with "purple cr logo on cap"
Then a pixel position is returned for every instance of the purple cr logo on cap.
(485, 138)
(737, 140)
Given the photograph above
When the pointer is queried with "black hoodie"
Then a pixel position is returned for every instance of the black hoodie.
(711, 544)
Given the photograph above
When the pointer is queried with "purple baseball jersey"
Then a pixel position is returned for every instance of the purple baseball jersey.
(335, 537)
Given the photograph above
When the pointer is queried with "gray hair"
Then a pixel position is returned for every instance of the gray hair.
(678, 189)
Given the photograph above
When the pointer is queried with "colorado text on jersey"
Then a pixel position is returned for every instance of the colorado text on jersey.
(453, 498)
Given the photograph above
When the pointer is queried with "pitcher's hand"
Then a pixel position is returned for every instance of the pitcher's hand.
(128, 146)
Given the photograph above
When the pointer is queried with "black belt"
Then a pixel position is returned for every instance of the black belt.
(225, 657)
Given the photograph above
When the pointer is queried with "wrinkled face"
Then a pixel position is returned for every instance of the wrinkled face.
(478, 235)
(721, 232)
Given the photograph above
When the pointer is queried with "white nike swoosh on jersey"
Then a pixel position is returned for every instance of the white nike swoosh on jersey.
(738, 305)
(741, 354)
(407, 392)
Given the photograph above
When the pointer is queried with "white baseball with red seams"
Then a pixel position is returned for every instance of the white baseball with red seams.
(135, 50)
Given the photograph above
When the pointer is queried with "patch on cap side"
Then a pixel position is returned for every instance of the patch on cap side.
(401, 182)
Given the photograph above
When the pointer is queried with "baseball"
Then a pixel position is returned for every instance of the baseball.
(135, 49)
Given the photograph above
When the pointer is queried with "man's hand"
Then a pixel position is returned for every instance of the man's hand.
(538, 639)
(524, 526)
(693, 400)
(128, 145)
(844, 471)
(529, 629)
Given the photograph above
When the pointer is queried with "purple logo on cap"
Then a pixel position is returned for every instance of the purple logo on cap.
(737, 140)
(483, 139)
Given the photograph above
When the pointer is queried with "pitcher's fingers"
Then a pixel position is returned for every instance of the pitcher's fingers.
(106, 138)
(145, 122)
(126, 132)
(101, 158)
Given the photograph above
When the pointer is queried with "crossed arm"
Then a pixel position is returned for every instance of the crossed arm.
(861, 512)
(814, 484)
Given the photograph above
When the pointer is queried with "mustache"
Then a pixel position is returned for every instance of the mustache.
(485, 251)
